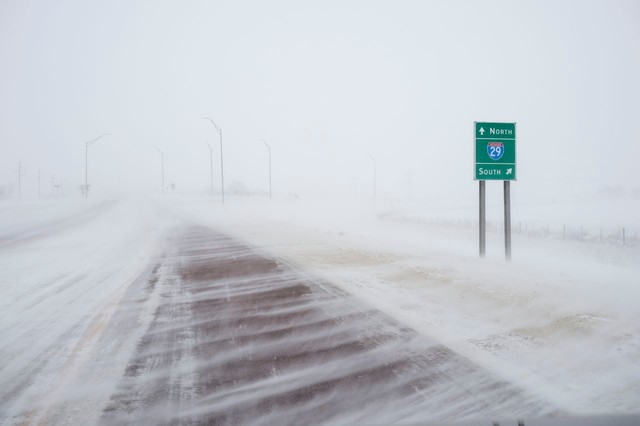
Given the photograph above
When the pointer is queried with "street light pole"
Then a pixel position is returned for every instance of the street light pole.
(221, 160)
(86, 162)
(268, 149)
(211, 166)
(162, 166)
(374, 175)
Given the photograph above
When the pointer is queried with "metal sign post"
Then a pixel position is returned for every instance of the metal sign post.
(483, 221)
(507, 219)
(495, 159)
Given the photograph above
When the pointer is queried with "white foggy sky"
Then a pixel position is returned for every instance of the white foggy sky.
(325, 83)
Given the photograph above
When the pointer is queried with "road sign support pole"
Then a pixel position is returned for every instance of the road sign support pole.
(507, 219)
(482, 219)
(495, 159)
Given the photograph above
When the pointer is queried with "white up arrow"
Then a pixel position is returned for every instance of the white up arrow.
(481, 131)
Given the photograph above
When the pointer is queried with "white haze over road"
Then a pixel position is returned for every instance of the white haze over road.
(325, 84)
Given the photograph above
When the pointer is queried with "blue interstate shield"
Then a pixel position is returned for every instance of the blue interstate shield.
(495, 150)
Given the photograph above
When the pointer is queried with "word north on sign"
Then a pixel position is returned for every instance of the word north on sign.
(495, 146)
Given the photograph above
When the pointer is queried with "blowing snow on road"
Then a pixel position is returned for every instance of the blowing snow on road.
(178, 311)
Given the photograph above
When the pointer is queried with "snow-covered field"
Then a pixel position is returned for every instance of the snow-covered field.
(560, 320)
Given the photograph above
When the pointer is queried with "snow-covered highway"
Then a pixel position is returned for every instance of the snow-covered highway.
(178, 311)
(59, 289)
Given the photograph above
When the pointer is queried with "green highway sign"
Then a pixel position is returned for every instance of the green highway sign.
(495, 151)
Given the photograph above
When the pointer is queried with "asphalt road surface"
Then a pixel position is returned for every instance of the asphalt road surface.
(218, 333)
(241, 338)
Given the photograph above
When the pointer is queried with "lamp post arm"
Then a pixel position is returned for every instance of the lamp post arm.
(92, 141)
